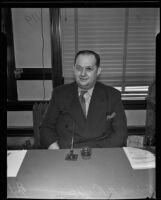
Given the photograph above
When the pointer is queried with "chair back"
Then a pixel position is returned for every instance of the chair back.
(39, 110)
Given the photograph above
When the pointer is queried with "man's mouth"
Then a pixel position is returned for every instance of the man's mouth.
(83, 79)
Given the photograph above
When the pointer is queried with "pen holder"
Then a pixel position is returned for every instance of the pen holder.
(86, 152)
(71, 156)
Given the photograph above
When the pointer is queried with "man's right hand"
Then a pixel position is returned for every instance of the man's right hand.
(54, 146)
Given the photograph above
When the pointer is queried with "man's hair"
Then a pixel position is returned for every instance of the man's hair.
(88, 52)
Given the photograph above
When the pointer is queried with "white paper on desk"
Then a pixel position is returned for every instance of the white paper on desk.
(139, 158)
(14, 161)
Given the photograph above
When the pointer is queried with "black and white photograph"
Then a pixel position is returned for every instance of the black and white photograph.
(81, 101)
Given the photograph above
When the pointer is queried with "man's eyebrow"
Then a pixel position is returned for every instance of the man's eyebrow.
(90, 66)
(85, 66)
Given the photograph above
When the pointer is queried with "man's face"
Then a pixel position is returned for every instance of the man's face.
(86, 71)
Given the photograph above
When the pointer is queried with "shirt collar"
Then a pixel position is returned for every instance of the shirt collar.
(90, 91)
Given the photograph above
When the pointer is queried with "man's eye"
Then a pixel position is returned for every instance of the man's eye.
(89, 69)
(78, 68)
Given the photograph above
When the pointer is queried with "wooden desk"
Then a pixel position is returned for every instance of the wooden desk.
(108, 174)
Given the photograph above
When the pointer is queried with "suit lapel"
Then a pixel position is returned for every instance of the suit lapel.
(98, 102)
(97, 107)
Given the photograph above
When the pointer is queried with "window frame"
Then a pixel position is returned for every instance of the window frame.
(11, 80)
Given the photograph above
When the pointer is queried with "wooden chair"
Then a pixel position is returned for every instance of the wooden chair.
(39, 110)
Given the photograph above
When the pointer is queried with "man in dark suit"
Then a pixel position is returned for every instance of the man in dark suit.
(96, 121)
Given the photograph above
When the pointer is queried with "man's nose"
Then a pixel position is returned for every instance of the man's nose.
(83, 72)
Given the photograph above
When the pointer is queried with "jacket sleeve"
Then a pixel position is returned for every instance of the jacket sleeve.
(48, 133)
(118, 136)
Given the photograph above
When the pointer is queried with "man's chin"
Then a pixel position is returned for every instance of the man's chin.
(84, 85)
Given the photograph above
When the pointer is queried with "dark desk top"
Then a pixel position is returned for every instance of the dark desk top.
(108, 174)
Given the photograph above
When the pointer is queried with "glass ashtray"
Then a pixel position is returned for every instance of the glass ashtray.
(86, 152)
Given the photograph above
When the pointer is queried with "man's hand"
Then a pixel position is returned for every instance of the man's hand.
(54, 146)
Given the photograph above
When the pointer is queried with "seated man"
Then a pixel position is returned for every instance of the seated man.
(86, 110)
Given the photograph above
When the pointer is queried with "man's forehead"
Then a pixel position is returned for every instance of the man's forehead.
(88, 58)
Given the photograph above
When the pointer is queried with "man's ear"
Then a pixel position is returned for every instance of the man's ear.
(99, 71)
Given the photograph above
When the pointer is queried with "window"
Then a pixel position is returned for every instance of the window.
(124, 38)
(33, 52)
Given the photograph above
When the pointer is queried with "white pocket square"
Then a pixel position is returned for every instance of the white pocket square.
(111, 116)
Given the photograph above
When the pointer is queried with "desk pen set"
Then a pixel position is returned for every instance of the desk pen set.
(85, 153)
(71, 156)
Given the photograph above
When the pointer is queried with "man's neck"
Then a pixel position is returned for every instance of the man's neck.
(90, 90)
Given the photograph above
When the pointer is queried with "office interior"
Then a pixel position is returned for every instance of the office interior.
(41, 44)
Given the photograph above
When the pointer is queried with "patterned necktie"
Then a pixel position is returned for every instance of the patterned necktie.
(82, 101)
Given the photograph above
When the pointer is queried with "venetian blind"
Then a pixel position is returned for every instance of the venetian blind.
(124, 38)
(141, 45)
(68, 42)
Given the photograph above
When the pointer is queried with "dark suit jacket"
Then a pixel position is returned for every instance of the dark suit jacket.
(64, 117)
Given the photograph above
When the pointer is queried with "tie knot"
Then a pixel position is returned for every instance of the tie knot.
(82, 93)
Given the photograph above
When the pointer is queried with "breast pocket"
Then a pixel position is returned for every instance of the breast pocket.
(109, 119)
